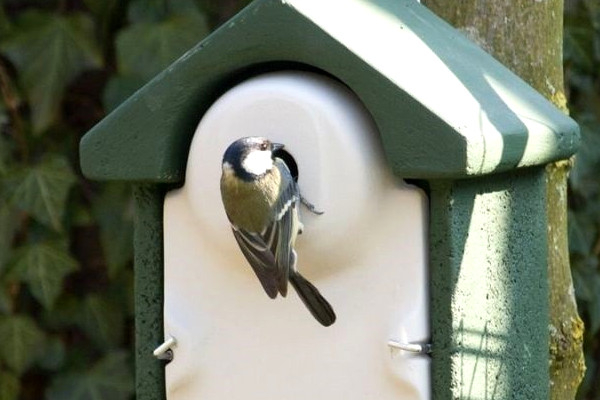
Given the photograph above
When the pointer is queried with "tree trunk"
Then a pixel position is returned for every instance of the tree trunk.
(526, 36)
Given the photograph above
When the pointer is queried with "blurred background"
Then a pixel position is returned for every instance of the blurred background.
(66, 287)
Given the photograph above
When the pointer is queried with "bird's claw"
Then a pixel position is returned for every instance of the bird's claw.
(310, 206)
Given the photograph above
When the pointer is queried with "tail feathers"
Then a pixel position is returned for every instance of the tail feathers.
(313, 300)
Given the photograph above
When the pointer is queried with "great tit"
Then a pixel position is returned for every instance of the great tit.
(262, 202)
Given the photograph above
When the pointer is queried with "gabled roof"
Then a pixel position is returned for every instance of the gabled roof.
(444, 107)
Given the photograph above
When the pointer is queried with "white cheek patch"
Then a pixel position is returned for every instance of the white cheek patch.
(227, 169)
(227, 166)
(258, 162)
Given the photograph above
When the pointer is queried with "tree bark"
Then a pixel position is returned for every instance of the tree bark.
(526, 36)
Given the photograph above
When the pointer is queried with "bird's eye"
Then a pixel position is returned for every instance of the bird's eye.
(264, 146)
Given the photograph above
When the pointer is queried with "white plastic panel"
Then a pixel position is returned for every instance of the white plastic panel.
(366, 254)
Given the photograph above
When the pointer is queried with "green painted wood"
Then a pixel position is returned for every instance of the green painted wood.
(149, 261)
(444, 108)
(489, 287)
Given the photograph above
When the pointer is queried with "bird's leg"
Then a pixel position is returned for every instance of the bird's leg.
(310, 206)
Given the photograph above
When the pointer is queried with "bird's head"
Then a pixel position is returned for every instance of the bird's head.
(249, 157)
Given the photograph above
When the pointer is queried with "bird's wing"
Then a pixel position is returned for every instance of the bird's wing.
(270, 253)
(281, 233)
(260, 257)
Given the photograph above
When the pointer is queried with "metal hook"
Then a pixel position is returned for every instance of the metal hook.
(418, 348)
(164, 351)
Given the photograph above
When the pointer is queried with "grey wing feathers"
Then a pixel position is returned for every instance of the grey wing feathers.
(318, 306)
(285, 227)
(270, 253)
(259, 257)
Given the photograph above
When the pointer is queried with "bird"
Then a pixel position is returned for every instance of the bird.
(262, 200)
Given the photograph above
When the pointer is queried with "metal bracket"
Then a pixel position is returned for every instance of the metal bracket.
(417, 348)
(164, 351)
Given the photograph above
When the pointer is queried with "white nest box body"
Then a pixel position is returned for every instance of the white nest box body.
(367, 254)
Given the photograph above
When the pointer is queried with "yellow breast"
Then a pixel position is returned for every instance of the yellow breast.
(249, 204)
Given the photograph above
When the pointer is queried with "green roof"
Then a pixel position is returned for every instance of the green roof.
(444, 107)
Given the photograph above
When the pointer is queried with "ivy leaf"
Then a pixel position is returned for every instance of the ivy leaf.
(108, 15)
(42, 190)
(9, 386)
(110, 378)
(157, 10)
(6, 302)
(114, 212)
(578, 46)
(581, 232)
(118, 89)
(594, 311)
(43, 266)
(5, 147)
(121, 291)
(161, 32)
(8, 227)
(8, 215)
(22, 342)
(4, 120)
(103, 321)
(64, 315)
(584, 175)
(147, 48)
(586, 281)
(53, 356)
(4, 25)
(147, 11)
(101, 8)
(49, 51)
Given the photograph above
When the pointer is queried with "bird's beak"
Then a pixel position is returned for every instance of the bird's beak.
(277, 146)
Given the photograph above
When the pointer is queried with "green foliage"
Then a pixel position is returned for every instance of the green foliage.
(4, 24)
(107, 379)
(582, 71)
(41, 190)
(147, 48)
(162, 33)
(66, 279)
(102, 320)
(43, 267)
(114, 212)
(9, 386)
(49, 51)
(8, 226)
(23, 342)
(53, 356)
(66, 282)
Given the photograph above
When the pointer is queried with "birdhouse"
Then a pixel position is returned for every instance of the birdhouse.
(425, 154)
